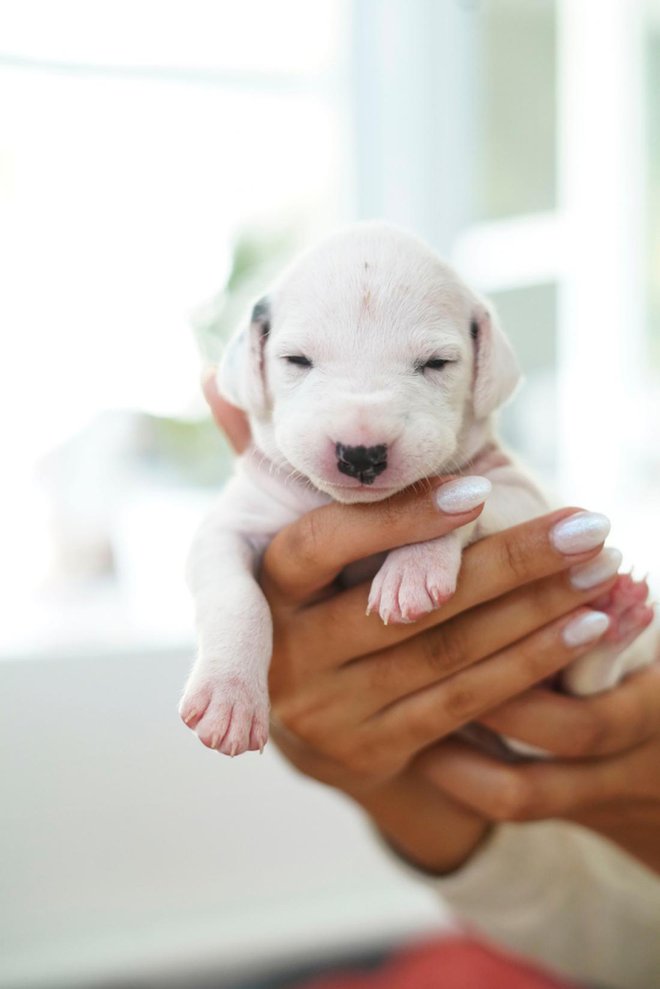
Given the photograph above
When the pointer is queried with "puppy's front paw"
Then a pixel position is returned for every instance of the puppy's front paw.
(416, 579)
(227, 713)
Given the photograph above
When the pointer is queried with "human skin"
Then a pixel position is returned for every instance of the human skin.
(371, 710)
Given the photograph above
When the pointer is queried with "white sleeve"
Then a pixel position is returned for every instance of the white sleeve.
(565, 897)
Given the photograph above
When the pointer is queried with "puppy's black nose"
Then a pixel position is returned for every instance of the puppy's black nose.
(363, 462)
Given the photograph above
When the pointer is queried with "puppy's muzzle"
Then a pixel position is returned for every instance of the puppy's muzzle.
(363, 462)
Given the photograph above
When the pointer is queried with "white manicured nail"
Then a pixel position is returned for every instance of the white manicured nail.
(585, 628)
(580, 532)
(595, 572)
(463, 494)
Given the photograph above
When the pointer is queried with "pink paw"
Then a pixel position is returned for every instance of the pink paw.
(415, 580)
(627, 608)
(227, 715)
(604, 665)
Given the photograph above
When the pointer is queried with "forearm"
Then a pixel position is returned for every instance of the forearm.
(635, 829)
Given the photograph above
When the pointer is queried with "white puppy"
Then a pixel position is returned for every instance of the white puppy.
(369, 366)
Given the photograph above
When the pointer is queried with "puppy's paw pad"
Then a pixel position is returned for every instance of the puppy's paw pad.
(626, 605)
(235, 719)
(626, 625)
(258, 733)
(440, 591)
(625, 593)
(194, 703)
(421, 593)
(412, 582)
(396, 599)
(383, 594)
(414, 599)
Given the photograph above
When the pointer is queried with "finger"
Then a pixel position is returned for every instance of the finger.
(232, 421)
(490, 568)
(417, 721)
(308, 555)
(385, 677)
(524, 791)
(570, 727)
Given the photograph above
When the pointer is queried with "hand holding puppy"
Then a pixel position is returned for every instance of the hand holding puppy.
(334, 677)
(370, 368)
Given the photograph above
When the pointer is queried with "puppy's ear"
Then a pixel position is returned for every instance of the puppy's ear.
(242, 372)
(496, 369)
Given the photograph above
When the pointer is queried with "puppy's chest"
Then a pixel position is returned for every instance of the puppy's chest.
(515, 498)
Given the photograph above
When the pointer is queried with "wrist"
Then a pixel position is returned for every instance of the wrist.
(422, 825)
(634, 831)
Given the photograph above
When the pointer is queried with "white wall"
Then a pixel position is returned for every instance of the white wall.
(127, 847)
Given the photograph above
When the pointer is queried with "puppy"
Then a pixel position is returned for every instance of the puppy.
(369, 366)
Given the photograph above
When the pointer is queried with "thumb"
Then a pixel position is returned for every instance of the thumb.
(231, 420)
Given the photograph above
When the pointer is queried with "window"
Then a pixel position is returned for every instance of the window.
(161, 161)
(525, 132)
(147, 158)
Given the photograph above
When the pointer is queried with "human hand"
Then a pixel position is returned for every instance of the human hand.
(356, 705)
(604, 774)
(322, 704)
(232, 421)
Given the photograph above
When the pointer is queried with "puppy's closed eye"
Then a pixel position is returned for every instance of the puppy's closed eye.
(434, 364)
(298, 359)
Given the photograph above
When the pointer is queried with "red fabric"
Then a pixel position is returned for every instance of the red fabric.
(448, 963)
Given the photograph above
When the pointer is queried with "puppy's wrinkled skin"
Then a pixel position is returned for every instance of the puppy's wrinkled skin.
(369, 366)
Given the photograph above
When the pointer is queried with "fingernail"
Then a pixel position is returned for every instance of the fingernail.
(587, 627)
(580, 532)
(595, 572)
(462, 495)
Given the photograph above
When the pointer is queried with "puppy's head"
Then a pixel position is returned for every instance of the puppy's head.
(368, 365)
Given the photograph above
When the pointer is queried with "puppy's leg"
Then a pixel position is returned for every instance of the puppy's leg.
(226, 697)
(418, 578)
(630, 643)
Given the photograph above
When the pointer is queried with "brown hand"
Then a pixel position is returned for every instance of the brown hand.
(605, 775)
(355, 703)
(342, 686)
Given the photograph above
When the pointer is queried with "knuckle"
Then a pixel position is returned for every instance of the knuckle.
(460, 702)
(514, 800)
(515, 555)
(300, 715)
(628, 716)
(362, 758)
(445, 648)
(304, 541)
(536, 657)
(539, 599)
(586, 735)
(383, 669)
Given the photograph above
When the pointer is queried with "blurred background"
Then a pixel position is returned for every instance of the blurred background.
(160, 161)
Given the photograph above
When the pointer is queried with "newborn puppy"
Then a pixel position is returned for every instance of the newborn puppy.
(369, 366)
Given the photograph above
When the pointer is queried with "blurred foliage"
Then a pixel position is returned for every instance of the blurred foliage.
(191, 452)
(516, 108)
(257, 258)
(194, 451)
